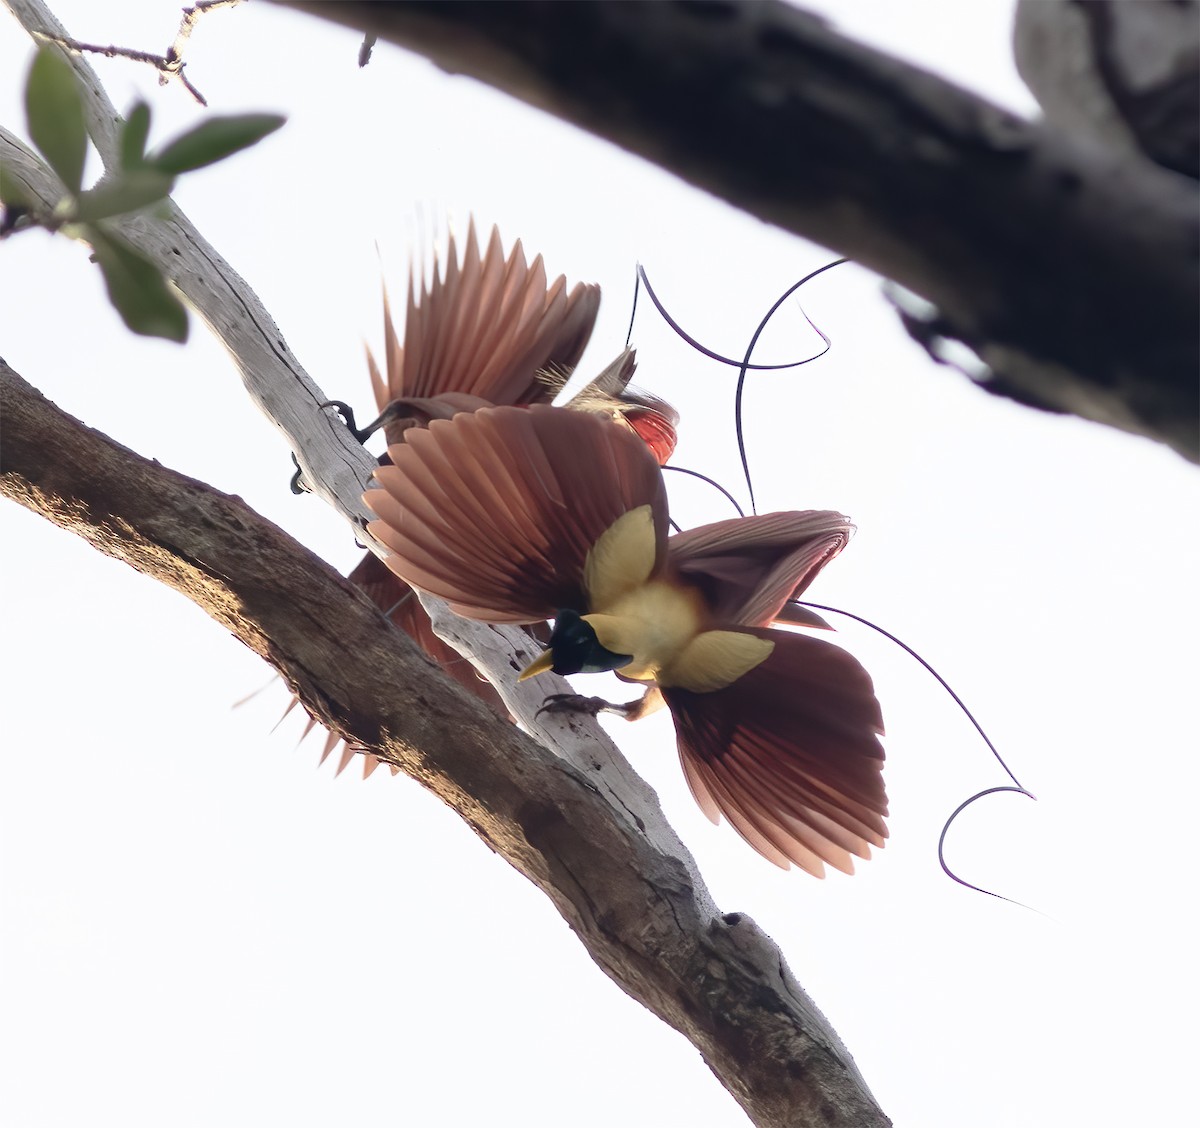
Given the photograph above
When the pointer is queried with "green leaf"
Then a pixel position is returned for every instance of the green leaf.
(54, 112)
(137, 289)
(133, 189)
(215, 139)
(133, 136)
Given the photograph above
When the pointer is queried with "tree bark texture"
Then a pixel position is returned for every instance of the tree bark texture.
(1069, 268)
(587, 833)
(570, 815)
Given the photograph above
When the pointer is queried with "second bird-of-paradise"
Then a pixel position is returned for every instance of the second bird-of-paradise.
(517, 515)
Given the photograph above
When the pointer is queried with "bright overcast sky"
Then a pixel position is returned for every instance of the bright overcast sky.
(201, 928)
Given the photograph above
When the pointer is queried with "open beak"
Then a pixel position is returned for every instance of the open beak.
(542, 663)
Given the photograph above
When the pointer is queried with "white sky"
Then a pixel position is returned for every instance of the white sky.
(200, 928)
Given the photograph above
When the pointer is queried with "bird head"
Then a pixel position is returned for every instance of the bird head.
(574, 649)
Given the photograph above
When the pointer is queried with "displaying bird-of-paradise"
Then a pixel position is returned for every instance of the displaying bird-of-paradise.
(489, 329)
(520, 515)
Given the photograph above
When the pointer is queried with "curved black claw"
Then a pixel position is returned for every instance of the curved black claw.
(362, 523)
(576, 703)
(360, 433)
(297, 484)
(347, 414)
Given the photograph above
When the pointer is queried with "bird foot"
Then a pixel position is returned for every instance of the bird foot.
(589, 706)
(297, 484)
(347, 413)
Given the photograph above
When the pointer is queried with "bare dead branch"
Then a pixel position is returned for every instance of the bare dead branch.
(575, 819)
(334, 464)
(642, 913)
(1070, 269)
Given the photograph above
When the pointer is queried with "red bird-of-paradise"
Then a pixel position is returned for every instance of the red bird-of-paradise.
(516, 516)
(488, 329)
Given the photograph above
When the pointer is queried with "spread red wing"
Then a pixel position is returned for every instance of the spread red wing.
(496, 510)
(789, 754)
(485, 329)
(748, 567)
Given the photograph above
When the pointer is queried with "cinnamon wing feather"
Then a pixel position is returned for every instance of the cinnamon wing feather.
(496, 510)
(749, 567)
(487, 329)
(789, 753)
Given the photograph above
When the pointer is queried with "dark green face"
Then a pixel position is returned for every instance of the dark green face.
(576, 649)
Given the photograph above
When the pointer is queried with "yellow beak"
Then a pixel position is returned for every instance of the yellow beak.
(539, 665)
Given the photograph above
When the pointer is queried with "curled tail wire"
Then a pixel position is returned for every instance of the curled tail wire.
(1016, 787)
(744, 365)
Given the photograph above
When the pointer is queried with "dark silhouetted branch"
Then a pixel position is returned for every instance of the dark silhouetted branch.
(1070, 269)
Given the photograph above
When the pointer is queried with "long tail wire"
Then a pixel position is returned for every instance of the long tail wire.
(1016, 787)
(744, 367)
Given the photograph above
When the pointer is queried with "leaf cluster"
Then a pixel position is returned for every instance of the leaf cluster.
(55, 116)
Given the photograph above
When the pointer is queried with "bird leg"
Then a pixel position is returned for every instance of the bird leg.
(649, 702)
(347, 414)
(577, 703)
(297, 483)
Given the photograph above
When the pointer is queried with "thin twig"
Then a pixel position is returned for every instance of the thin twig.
(170, 64)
